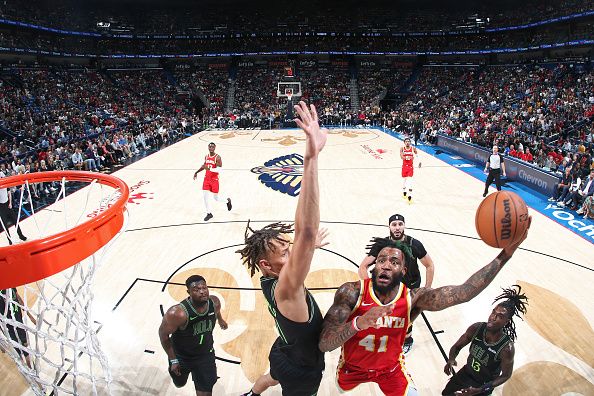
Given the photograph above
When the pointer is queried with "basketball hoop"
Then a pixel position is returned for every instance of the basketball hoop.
(60, 352)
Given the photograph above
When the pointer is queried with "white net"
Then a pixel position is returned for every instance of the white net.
(47, 327)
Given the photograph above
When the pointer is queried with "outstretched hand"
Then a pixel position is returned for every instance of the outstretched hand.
(510, 250)
(369, 319)
(449, 367)
(320, 239)
(308, 121)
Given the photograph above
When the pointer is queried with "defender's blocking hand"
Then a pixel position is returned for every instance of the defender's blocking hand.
(308, 121)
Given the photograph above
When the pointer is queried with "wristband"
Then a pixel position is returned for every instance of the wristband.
(173, 361)
(487, 387)
(354, 323)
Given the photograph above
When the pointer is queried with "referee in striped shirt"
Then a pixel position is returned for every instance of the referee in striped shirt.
(494, 165)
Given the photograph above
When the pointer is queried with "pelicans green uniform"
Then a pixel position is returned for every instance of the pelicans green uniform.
(483, 364)
(193, 347)
(296, 362)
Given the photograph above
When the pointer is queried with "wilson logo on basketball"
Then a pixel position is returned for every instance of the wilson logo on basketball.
(506, 221)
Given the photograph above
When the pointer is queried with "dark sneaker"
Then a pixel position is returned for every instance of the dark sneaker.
(229, 206)
(23, 238)
(208, 216)
(408, 343)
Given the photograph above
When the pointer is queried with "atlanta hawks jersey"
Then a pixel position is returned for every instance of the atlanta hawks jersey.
(408, 156)
(210, 162)
(378, 349)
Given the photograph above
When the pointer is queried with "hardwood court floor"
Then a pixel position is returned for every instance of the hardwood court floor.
(360, 187)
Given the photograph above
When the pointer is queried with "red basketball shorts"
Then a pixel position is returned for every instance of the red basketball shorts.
(211, 185)
(396, 382)
(407, 171)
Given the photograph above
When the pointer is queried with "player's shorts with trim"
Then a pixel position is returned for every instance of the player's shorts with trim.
(395, 382)
(407, 171)
(295, 380)
(211, 184)
(204, 373)
(462, 380)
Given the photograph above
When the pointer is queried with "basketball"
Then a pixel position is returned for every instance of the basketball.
(501, 219)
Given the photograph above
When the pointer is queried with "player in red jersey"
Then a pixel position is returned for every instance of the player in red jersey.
(408, 154)
(369, 318)
(212, 165)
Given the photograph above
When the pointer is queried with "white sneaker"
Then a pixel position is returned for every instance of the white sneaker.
(562, 204)
(579, 211)
(586, 217)
(552, 199)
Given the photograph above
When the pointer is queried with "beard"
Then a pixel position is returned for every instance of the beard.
(396, 279)
(394, 237)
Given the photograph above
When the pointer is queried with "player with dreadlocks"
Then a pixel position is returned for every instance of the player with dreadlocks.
(491, 359)
(369, 318)
(295, 360)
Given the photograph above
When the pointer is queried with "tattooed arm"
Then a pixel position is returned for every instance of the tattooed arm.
(447, 296)
(335, 331)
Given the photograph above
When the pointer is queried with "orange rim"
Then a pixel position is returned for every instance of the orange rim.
(41, 258)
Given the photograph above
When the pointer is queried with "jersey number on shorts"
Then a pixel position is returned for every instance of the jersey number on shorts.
(369, 343)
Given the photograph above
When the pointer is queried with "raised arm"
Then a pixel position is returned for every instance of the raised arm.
(289, 292)
(447, 296)
(217, 306)
(464, 340)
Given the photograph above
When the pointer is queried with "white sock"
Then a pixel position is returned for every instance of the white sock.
(219, 199)
(206, 201)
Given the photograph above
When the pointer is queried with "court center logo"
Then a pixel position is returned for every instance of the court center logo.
(282, 174)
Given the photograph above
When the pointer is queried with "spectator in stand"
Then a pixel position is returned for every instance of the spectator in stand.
(586, 190)
(92, 163)
(576, 182)
(561, 188)
(587, 208)
(77, 159)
